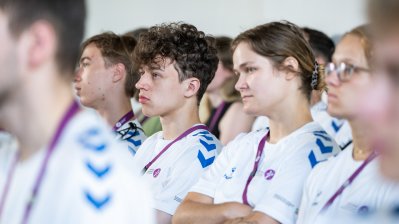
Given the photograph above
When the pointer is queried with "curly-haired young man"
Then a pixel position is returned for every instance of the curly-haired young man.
(177, 62)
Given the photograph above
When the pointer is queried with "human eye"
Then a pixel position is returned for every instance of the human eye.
(250, 69)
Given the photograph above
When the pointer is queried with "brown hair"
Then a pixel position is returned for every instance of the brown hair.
(383, 15)
(66, 16)
(280, 40)
(191, 49)
(117, 49)
(363, 32)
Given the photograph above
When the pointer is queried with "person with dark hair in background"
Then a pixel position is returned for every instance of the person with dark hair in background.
(68, 167)
(105, 82)
(323, 48)
(221, 107)
(258, 177)
(176, 63)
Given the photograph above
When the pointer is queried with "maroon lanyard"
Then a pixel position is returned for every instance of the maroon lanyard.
(184, 134)
(73, 109)
(129, 115)
(216, 116)
(255, 169)
(349, 181)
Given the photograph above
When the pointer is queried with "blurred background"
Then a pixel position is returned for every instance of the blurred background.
(224, 17)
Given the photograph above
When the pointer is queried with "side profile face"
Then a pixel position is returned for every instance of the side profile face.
(161, 92)
(221, 76)
(343, 95)
(93, 79)
(261, 86)
(381, 105)
(8, 61)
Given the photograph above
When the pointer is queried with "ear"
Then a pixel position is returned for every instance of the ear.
(43, 43)
(119, 72)
(293, 65)
(191, 86)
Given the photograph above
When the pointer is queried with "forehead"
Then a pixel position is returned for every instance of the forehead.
(91, 51)
(159, 62)
(349, 48)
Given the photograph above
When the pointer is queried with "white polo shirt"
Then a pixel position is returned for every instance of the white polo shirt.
(174, 173)
(89, 179)
(277, 186)
(369, 191)
(339, 129)
(132, 135)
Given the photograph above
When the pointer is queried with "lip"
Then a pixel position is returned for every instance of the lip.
(245, 97)
(332, 96)
(143, 99)
(77, 89)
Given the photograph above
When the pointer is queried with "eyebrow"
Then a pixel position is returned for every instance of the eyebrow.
(244, 65)
(84, 58)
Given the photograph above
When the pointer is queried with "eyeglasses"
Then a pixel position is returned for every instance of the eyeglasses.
(344, 71)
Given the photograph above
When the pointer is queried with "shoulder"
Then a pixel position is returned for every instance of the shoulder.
(313, 143)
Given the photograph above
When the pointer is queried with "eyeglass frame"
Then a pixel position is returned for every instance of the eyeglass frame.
(342, 68)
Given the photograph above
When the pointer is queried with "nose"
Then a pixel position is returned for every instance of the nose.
(143, 82)
(240, 84)
(332, 79)
(78, 75)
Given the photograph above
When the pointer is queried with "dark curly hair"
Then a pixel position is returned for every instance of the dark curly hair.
(191, 49)
(279, 40)
(117, 49)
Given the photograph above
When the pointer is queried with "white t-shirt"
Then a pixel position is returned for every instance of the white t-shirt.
(89, 179)
(339, 129)
(174, 173)
(131, 133)
(261, 122)
(369, 191)
(277, 186)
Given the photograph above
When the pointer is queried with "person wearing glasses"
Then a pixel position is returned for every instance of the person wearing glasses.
(349, 184)
(323, 48)
(259, 176)
(105, 82)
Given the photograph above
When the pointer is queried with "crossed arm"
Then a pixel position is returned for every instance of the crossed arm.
(199, 208)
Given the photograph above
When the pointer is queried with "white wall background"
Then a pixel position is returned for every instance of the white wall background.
(224, 17)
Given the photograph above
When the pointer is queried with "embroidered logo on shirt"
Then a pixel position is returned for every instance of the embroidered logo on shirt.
(269, 174)
(230, 174)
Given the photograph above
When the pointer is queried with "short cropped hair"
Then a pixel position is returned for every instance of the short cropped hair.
(66, 16)
(117, 49)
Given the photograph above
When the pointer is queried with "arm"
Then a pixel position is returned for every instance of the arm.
(234, 122)
(253, 218)
(199, 208)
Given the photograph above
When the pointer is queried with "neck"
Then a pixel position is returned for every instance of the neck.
(288, 118)
(178, 121)
(35, 129)
(115, 109)
(215, 98)
(361, 146)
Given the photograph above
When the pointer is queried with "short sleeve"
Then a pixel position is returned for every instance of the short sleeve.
(208, 183)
